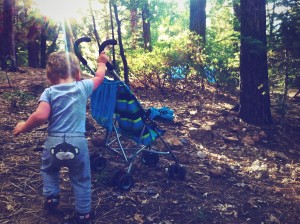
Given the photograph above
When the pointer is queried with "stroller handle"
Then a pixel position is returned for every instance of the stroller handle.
(106, 43)
(109, 66)
(76, 49)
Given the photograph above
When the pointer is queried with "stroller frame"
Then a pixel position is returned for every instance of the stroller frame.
(109, 140)
(123, 179)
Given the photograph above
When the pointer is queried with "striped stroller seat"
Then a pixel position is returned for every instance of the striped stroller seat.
(131, 118)
(115, 108)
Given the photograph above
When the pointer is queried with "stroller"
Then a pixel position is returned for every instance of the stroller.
(115, 108)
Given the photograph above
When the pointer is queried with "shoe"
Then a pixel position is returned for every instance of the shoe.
(79, 218)
(83, 218)
(52, 202)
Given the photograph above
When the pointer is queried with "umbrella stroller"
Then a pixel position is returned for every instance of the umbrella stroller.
(115, 108)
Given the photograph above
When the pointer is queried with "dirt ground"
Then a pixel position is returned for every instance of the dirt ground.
(236, 173)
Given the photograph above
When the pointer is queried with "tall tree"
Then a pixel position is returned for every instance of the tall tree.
(198, 17)
(122, 52)
(237, 14)
(271, 15)
(44, 43)
(8, 37)
(133, 21)
(254, 86)
(33, 45)
(146, 26)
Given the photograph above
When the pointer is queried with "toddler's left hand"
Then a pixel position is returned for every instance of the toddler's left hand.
(19, 128)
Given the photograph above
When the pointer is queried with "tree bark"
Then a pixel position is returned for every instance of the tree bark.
(33, 45)
(272, 18)
(53, 45)
(237, 15)
(254, 86)
(44, 45)
(112, 33)
(198, 17)
(133, 23)
(33, 54)
(122, 53)
(8, 37)
(146, 27)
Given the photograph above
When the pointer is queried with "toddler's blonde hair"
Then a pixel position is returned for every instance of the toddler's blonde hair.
(61, 65)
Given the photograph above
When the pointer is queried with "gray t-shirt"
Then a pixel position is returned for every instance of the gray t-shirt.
(68, 106)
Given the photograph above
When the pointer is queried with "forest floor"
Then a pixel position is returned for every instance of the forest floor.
(236, 172)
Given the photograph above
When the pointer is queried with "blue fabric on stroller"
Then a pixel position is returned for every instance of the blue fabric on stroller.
(103, 101)
(114, 97)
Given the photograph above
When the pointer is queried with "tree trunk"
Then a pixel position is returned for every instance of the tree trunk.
(285, 91)
(8, 37)
(122, 53)
(198, 17)
(106, 20)
(112, 33)
(272, 18)
(146, 27)
(94, 26)
(237, 15)
(44, 45)
(53, 45)
(133, 24)
(33, 54)
(254, 86)
(33, 45)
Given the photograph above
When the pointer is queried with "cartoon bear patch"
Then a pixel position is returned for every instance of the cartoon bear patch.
(64, 151)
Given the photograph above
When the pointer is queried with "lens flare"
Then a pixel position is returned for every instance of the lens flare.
(59, 10)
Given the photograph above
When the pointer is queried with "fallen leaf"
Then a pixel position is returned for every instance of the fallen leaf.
(139, 218)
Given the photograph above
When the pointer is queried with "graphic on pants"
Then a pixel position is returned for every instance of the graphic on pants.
(64, 151)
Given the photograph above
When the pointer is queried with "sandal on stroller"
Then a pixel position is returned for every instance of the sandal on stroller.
(115, 108)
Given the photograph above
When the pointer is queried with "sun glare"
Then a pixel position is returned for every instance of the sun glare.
(59, 10)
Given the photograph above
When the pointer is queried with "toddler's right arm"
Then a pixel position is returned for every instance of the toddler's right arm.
(100, 73)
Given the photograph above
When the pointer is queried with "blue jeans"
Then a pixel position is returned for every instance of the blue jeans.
(69, 150)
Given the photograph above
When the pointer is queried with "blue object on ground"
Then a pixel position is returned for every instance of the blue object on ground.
(164, 113)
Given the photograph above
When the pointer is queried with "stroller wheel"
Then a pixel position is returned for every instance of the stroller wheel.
(125, 182)
(176, 171)
(150, 158)
(116, 176)
(98, 163)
